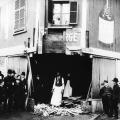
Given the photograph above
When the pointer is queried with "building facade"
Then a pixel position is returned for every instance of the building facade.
(76, 36)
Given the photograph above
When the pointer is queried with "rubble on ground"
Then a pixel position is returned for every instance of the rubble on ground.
(70, 107)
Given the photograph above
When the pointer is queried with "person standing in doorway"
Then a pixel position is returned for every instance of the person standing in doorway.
(106, 95)
(68, 88)
(37, 89)
(116, 94)
(58, 88)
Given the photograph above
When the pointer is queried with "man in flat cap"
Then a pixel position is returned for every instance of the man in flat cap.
(106, 95)
(116, 94)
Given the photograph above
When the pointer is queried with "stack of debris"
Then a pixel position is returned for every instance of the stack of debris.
(46, 110)
(71, 101)
(70, 107)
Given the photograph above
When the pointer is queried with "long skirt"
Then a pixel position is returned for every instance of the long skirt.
(56, 99)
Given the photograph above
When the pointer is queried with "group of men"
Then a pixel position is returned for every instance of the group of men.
(13, 90)
(110, 98)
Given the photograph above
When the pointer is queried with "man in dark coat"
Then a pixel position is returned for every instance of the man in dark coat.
(23, 89)
(38, 90)
(1, 88)
(106, 94)
(116, 94)
(8, 86)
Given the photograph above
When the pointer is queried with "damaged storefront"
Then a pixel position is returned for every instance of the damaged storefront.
(61, 53)
(80, 70)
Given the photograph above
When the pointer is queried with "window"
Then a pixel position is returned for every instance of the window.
(20, 15)
(63, 13)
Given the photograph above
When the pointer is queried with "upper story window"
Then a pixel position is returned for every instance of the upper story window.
(62, 12)
(20, 13)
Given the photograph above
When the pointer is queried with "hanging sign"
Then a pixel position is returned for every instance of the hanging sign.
(73, 38)
(106, 31)
(106, 25)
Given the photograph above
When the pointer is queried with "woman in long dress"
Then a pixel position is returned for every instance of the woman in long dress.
(68, 88)
(58, 88)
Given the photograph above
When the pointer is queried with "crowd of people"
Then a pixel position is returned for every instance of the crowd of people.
(110, 98)
(13, 91)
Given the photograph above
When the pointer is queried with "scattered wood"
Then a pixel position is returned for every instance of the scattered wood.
(70, 107)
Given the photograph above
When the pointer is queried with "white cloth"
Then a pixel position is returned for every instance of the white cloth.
(57, 94)
(68, 90)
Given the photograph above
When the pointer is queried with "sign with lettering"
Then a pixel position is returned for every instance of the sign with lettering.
(73, 38)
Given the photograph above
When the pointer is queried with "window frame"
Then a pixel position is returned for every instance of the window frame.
(61, 2)
(20, 29)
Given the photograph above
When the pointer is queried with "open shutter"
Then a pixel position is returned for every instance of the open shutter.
(50, 11)
(73, 12)
(22, 20)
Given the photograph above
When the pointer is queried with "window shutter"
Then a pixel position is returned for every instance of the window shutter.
(16, 4)
(73, 12)
(22, 14)
(16, 20)
(50, 11)
(22, 3)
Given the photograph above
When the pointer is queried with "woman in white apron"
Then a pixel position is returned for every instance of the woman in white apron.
(58, 88)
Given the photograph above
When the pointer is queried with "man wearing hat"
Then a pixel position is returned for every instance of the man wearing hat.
(106, 95)
(116, 94)
(8, 101)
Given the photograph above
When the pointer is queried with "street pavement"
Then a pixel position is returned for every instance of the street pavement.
(105, 117)
(16, 116)
(30, 116)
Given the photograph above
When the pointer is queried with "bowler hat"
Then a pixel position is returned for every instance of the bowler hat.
(9, 71)
(23, 73)
(115, 80)
(13, 71)
(106, 81)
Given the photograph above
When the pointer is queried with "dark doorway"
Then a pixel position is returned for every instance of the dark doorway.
(80, 68)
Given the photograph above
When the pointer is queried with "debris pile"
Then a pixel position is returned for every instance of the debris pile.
(71, 101)
(70, 107)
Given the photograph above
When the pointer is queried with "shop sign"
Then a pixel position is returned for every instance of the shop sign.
(72, 38)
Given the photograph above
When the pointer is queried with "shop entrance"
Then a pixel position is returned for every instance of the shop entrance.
(79, 67)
